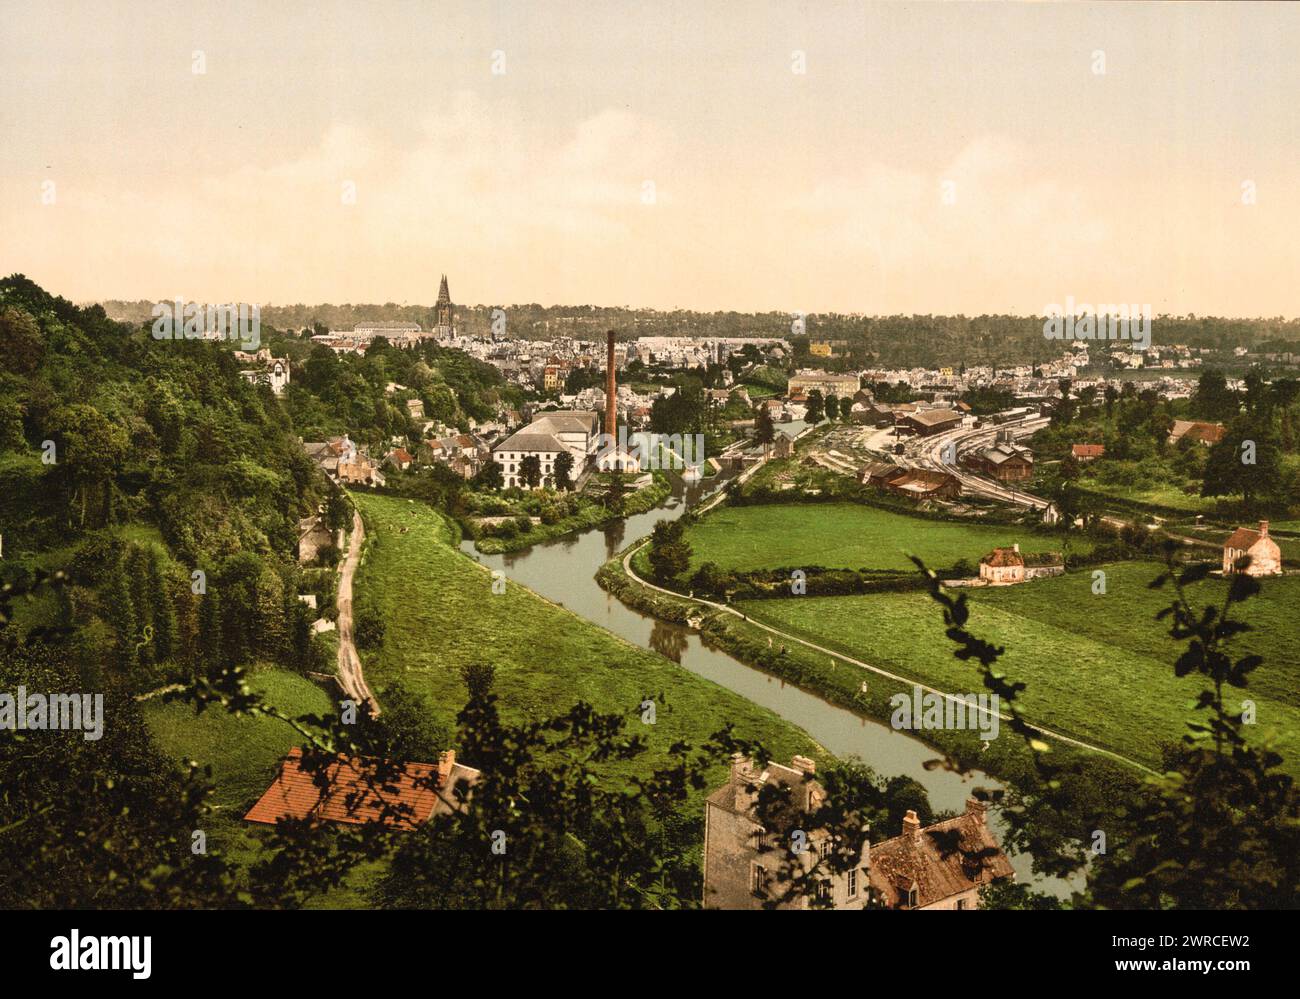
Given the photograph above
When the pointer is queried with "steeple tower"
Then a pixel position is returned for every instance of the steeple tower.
(446, 327)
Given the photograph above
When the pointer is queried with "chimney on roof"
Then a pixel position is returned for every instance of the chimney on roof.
(1016, 547)
(911, 824)
(741, 765)
(976, 808)
(803, 765)
(611, 407)
(1263, 528)
(446, 763)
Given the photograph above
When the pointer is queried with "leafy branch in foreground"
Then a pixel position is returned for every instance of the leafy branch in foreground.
(1220, 828)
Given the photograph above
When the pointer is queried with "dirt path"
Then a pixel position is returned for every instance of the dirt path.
(627, 567)
(351, 679)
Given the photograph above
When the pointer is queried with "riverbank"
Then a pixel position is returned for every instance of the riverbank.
(841, 683)
(593, 516)
(442, 611)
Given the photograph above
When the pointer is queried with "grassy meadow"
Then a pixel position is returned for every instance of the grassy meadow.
(1097, 667)
(441, 613)
(849, 536)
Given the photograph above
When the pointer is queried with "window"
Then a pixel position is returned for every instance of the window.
(853, 883)
(961, 903)
(758, 880)
(824, 890)
(911, 898)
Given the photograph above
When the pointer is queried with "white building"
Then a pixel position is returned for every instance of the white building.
(551, 433)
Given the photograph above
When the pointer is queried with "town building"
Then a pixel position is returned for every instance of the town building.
(924, 484)
(747, 864)
(1087, 452)
(843, 386)
(271, 371)
(933, 421)
(546, 437)
(360, 471)
(741, 857)
(313, 537)
(879, 473)
(1265, 555)
(1004, 461)
(1196, 430)
(346, 791)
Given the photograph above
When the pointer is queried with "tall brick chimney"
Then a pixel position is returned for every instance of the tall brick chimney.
(1263, 528)
(611, 408)
(911, 825)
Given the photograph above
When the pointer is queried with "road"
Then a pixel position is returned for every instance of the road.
(351, 679)
(1046, 732)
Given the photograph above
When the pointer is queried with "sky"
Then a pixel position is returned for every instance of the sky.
(874, 158)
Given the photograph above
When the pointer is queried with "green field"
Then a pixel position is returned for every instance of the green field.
(1156, 495)
(441, 613)
(849, 536)
(1098, 668)
(243, 752)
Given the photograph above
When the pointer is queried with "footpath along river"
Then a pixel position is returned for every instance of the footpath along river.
(564, 570)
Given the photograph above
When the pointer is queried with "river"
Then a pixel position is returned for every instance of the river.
(563, 570)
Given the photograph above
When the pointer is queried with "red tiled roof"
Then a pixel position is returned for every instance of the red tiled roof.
(1088, 450)
(1197, 430)
(1002, 558)
(1242, 538)
(346, 794)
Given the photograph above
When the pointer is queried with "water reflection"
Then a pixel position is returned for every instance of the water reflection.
(668, 639)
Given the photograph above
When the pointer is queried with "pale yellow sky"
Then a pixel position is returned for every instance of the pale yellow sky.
(932, 158)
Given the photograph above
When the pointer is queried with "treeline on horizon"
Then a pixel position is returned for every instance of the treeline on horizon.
(886, 335)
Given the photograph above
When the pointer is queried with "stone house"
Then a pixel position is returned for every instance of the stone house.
(1003, 566)
(1196, 430)
(313, 535)
(942, 866)
(742, 859)
(360, 471)
(1265, 555)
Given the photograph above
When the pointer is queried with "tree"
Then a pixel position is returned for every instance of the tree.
(816, 406)
(24, 346)
(832, 407)
(616, 495)
(160, 603)
(564, 470)
(670, 552)
(489, 476)
(764, 429)
(11, 426)
(530, 470)
(90, 449)
(1213, 400)
(1247, 460)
